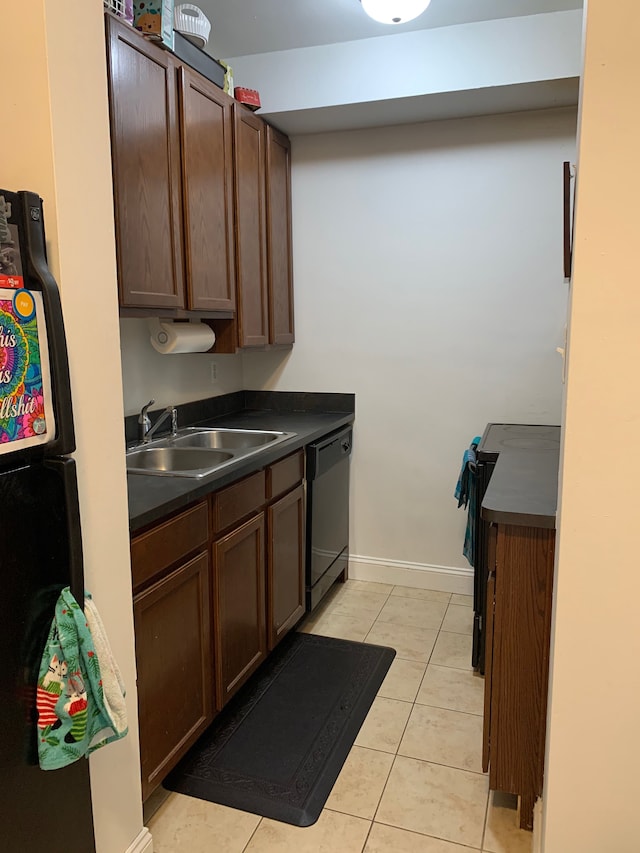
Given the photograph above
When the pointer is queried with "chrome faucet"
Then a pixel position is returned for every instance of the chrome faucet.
(146, 431)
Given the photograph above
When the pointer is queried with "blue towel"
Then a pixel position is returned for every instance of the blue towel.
(465, 494)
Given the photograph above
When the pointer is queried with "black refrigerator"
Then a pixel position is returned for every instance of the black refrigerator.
(40, 540)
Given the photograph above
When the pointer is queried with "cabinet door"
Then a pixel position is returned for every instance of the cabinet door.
(523, 584)
(145, 148)
(279, 255)
(239, 606)
(173, 655)
(285, 564)
(489, 633)
(253, 319)
(488, 630)
(207, 179)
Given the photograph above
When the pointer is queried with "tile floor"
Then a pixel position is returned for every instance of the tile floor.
(412, 782)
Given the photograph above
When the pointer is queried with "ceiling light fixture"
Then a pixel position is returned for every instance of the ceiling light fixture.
(394, 11)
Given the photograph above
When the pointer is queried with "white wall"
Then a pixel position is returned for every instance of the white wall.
(56, 142)
(593, 743)
(428, 280)
(403, 65)
(170, 379)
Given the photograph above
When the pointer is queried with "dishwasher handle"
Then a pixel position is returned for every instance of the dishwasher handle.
(322, 455)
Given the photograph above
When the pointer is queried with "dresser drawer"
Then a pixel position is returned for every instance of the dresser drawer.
(285, 474)
(164, 545)
(229, 506)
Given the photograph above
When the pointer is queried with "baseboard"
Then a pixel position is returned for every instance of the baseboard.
(420, 575)
(142, 844)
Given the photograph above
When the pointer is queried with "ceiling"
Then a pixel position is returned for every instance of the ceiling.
(241, 27)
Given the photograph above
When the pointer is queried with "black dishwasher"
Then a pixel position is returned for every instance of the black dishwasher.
(327, 552)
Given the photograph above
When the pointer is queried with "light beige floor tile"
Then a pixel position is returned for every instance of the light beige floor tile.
(414, 612)
(359, 786)
(390, 839)
(445, 687)
(409, 643)
(503, 834)
(444, 737)
(331, 833)
(403, 680)
(328, 597)
(308, 623)
(384, 725)
(344, 627)
(465, 600)
(320, 610)
(435, 800)
(458, 619)
(369, 586)
(355, 602)
(425, 594)
(311, 620)
(154, 802)
(188, 825)
(452, 650)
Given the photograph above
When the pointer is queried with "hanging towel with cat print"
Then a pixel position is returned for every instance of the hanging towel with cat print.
(79, 697)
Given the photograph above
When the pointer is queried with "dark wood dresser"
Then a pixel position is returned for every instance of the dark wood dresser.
(520, 506)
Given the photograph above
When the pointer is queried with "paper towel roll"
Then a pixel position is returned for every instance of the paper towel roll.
(170, 338)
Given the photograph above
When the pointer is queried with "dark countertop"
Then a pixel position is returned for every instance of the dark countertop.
(523, 489)
(152, 498)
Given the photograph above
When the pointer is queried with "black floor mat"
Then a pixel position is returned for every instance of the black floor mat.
(277, 748)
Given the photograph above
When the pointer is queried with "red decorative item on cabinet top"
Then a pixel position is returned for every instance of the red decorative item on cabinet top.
(249, 97)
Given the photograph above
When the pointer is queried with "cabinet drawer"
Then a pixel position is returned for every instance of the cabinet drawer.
(164, 545)
(231, 505)
(285, 474)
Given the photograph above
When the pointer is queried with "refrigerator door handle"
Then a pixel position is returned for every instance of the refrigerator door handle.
(40, 278)
(66, 469)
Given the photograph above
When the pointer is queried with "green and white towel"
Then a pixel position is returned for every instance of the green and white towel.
(80, 693)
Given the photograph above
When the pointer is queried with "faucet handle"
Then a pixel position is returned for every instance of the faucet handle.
(143, 412)
(144, 422)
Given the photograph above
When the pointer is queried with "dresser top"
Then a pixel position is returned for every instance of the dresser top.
(523, 489)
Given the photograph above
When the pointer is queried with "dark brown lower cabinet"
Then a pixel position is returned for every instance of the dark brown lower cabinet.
(203, 626)
(239, 606)
(519, 595)
(173, 652)
(285, 564)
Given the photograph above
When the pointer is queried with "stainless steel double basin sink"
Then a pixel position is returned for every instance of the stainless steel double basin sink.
(199, 451)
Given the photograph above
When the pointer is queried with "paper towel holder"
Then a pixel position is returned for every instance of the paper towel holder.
(170, 338)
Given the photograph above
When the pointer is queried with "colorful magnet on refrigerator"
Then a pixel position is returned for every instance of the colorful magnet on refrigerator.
(24, 306)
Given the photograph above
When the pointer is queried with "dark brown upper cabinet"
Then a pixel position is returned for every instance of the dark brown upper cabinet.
(145, 148)
(249, 161)
(202, 195)
(279, 251)
(172, 153)
(262, 180)
(207, 177)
